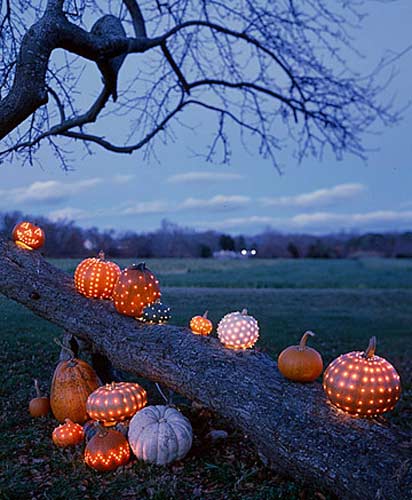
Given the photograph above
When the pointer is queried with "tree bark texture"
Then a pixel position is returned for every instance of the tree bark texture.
(291, 424)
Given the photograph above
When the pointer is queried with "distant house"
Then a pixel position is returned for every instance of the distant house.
(227, 254)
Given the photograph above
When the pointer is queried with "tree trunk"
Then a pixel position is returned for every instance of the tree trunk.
(292, 425)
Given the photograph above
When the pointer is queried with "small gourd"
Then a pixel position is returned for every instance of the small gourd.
(201, 325)
(40, 405)
(300, 363)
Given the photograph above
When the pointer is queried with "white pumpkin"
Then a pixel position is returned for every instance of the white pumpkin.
(237, 330)
(160, 435)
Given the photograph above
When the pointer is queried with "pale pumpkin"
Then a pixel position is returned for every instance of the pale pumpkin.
(300, 363)
(160, 435)
(73, 381)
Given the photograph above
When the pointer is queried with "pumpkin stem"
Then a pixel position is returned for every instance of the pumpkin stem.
(304, 339)
(36, 386)
(60, 344)
(370, 351)
(205, 314)
(101, 255)
(244, 312)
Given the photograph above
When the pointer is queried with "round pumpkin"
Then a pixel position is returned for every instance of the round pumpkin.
(201, 325)
(136, 288)
(157, 313)
(362, 383)
(73, 381)
(68, 434)
(160, 435)
(107, 450)
(96, 277)
(300, 363)
(116, 401)
(28, 236)
(237, 330)
(40, 405)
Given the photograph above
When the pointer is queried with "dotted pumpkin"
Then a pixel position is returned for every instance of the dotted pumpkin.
(201, 325)
(28, 236)
(107, 450)
(157, 313)
(237, 330)
(300, 363)
(68, 434)
(136, 288)
(96, 277)
(362, 383)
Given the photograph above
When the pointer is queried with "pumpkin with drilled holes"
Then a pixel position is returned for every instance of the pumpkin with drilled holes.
(362, 383)
(116, 401)
(201, 325)
(136, 288)
(28, 236)
(157, 313)
(96, 277)
(160, 435)
(300, 363)
(107, 450)
(73, 381)
(68, 434)
(40, 405)
(238, 330)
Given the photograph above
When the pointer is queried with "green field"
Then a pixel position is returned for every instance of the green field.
(344, 302)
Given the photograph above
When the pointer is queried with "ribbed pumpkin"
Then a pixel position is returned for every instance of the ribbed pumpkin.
(96, 277)
(201, 325)
(68, 434)
(40, 405)
(28, 236)
(136, 288)
(361, 383)
(160, 435)
(73, 381)
(107, 450)
(116, 401)
(300, 363)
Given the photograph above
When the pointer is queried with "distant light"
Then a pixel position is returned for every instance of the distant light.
(244, 251)
(253, 251)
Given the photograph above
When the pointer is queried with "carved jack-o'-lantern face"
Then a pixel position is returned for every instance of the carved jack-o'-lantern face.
(28, 236)
(362, 383)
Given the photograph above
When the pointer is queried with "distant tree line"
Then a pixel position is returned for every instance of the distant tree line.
(66, 239)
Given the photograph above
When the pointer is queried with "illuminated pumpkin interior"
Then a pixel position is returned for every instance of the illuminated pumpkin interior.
(107, 450)
(68, 434)
(238, 330)
(28, 236)
(96, 277)
(201, 325)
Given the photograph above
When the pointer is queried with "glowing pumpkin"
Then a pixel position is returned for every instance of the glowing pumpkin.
(116, 401)
(201, 325)
(107, 450)
(68, 434)
(237, 330)
(136, 288)
(300, 363)
(361, 383)
(96, 277)
(28, 236)
(40, 405)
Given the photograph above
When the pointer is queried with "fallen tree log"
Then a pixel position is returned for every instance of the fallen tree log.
(291, 424)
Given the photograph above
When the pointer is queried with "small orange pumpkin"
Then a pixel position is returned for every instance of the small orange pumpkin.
(361, 383)
(107, 450)
(73, 381)
(68, 434)
(28, 236)
(136, 288)
(300, 363)
(40, 405)
(201, 325)
(116, 402)
(96, 277)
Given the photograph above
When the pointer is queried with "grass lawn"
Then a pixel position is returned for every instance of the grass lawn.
(344, 302)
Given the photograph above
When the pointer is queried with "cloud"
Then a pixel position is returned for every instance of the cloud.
(146, 207)
(48, 192)
(69, 213)
(317, 198)
(216, 203)
(257, 221)
(123, 178)
(196, 176)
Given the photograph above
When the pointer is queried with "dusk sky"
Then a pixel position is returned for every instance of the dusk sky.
(126, 192)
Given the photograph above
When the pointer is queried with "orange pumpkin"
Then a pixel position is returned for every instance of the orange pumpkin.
(300, 363)
(28, 236)
(201, 325)
(136, 288)
(361, 383)
(107, 450)
(96, 277)
(68, 434)
(40, 405)
(73, 381)
(116, 402)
